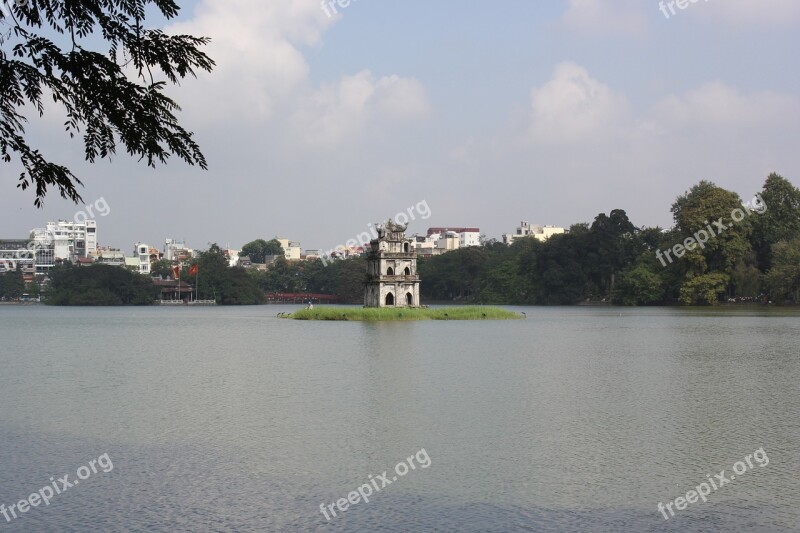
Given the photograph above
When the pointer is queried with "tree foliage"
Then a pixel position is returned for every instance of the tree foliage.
(259, 249)
(99, 285)
(162, 268)
(781, 221)
(217, 280)
(696, 211)
(613, 260)
(783, 279)
(641, 286)
(343, 279)
(46, 52)
(705, 289)
(12, 284)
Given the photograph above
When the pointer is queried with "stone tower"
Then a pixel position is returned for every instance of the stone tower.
(392, 279)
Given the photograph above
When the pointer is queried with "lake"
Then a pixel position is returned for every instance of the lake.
(231, 419)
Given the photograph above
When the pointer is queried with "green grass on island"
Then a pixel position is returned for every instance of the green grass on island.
(404, 314)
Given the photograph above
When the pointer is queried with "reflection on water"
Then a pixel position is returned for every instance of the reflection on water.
(229, 419)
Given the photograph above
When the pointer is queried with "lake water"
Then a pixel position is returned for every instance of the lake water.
(230, 419)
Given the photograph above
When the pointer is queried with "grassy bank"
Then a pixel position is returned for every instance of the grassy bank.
(404, 315)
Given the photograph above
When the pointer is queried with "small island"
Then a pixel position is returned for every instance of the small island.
(391, 289)
(386, 314)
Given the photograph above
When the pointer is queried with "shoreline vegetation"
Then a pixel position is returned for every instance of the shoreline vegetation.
(719, 251)
(399, 314)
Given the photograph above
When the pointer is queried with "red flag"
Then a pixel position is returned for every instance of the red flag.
(176, 272)
(193, 270)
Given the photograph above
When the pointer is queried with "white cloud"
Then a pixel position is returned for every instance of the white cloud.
(574, 107)
(339, 113)
(584, 142)
(262, 76)
(602, 17)
(255, 46)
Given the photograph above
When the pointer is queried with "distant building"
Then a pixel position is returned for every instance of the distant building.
(18, 253)
(63, 241)
(177, 251)
(526, 229)
(172, 290)
(142, 259)
(155, 255)
(291, 249)
(392, 279)
(232, 256)
(424, 245)
(467, 236)
(448, 241)
(109, 256)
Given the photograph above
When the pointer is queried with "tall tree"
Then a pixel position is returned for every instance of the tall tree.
(709, 209)
(780, 221)
(610, 248)
(99, 97)
(216, 279)
(783, 280)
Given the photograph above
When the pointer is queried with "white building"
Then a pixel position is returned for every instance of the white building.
(63, 241)
(470, 238)
(526, 229)
(141, 256)
(291, 249)
(233, 256)
(466, 236)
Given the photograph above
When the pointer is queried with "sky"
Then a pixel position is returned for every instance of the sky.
(490, 113)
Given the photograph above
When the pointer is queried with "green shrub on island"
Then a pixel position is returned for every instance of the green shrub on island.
(388, 314)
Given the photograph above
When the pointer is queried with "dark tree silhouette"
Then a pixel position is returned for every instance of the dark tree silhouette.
(46, 52)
